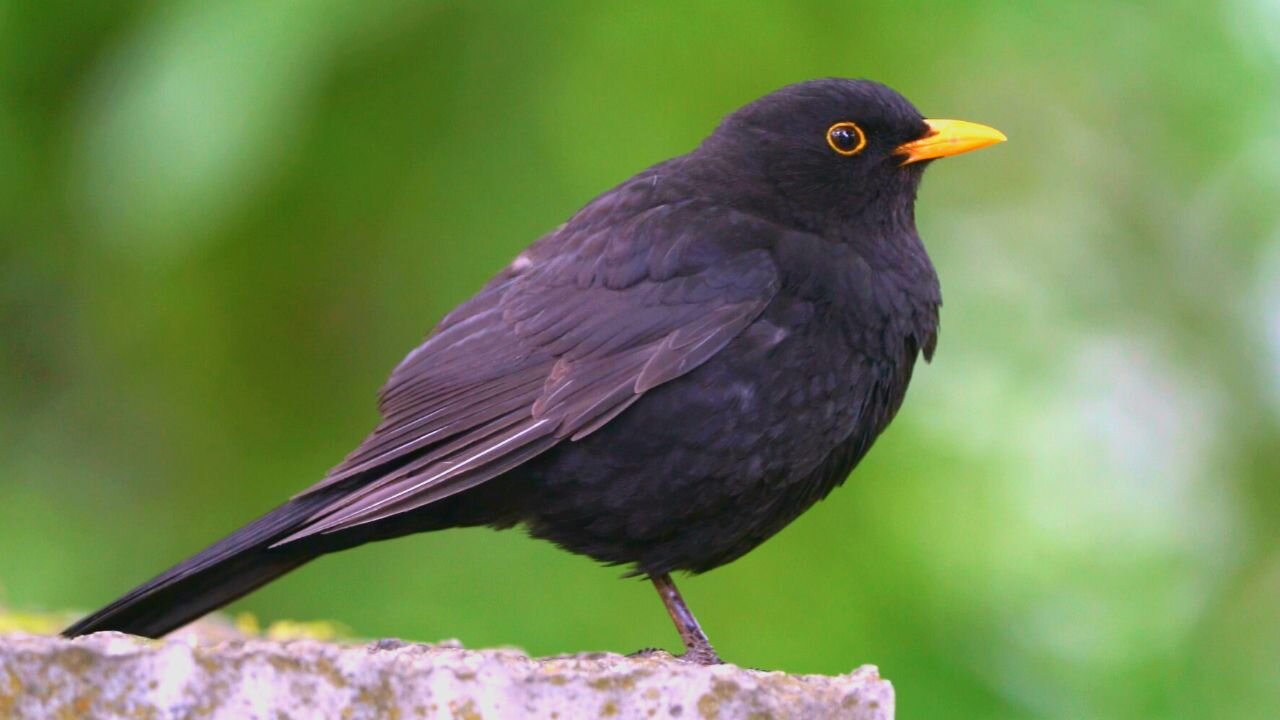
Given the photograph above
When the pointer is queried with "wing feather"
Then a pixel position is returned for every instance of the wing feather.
(547, 354)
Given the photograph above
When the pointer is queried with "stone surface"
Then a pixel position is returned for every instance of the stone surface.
(110, 675)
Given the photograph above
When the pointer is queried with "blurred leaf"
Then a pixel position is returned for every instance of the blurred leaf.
(222, 223)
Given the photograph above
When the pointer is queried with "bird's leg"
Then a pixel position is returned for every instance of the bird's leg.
(697, 648)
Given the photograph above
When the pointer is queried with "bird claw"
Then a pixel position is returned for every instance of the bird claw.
(701, 656)
(696, 655)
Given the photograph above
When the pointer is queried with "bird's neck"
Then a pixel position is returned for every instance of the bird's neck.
(886, 237)
(905, 286)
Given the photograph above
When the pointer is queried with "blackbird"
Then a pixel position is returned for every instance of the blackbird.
(666, 380)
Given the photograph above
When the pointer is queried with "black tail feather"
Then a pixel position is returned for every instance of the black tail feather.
(226, 570)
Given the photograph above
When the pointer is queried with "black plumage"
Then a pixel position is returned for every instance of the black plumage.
(665, 381)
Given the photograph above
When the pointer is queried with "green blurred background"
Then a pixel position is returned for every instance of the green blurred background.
(222, 223)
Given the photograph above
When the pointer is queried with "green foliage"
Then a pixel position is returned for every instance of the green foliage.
(222, 223)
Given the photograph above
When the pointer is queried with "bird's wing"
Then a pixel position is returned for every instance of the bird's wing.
(567, 338)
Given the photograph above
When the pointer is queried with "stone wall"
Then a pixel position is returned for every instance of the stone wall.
(110, 675)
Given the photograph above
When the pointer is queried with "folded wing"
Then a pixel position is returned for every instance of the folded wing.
(549, 353)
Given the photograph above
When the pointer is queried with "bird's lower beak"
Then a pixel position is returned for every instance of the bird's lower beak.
(949, 137)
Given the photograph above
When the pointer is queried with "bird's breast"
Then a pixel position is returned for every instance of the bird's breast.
(705, 467)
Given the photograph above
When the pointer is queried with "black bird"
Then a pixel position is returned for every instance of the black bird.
(664, 381)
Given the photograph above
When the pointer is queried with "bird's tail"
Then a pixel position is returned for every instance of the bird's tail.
(226, 570)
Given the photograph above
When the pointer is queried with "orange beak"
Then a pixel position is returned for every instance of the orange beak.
(949, 137)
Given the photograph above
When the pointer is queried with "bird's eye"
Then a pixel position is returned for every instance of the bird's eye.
(846, 138)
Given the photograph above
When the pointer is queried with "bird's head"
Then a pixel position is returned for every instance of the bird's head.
(831, 151)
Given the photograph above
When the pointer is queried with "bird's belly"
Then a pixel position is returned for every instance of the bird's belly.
(703, 469)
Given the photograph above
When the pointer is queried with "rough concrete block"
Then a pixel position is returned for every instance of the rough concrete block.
(110, 675)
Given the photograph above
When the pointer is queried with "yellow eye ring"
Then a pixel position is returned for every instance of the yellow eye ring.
(846, 138)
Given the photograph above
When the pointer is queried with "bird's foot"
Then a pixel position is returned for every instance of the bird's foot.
(696, 655)
(701, 655)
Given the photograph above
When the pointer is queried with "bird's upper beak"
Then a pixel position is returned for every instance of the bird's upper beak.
(949, 137)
